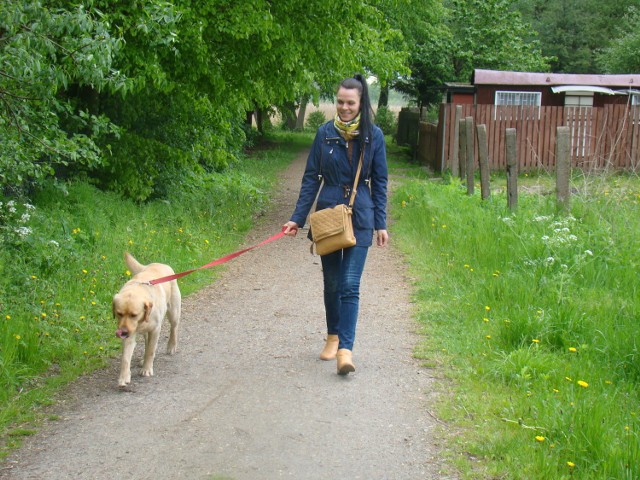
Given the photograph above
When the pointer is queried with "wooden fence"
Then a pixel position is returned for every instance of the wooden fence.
(603, 137)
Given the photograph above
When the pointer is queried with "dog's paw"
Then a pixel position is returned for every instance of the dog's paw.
(147, 372)
(124, 381)
(171, 349)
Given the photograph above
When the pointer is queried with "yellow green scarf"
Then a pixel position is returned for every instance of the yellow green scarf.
(348, 130)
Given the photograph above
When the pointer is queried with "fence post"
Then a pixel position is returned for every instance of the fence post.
(455, 158)
(483, 159)
(458, 167)
(563, 166)
(512, 168)
(470, 169)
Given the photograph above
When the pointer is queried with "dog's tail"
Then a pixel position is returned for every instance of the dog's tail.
(132, 263)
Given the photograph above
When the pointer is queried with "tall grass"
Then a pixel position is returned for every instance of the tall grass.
(62, 261)
(534, 316)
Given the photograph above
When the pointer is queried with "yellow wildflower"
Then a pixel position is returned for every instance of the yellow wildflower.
(583, 384)
(539, 438)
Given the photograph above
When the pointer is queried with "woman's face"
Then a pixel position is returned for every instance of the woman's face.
(348, 103)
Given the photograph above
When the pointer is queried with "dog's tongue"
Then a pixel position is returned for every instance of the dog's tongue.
(119, 333)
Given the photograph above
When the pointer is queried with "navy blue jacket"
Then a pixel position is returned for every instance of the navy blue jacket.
(328, 158)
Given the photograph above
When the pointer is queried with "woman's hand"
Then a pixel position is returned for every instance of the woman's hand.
(290, 229)
(382, 238)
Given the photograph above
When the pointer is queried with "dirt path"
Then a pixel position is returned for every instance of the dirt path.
(247, 397)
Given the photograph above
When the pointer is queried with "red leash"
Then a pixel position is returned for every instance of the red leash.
(224, 259)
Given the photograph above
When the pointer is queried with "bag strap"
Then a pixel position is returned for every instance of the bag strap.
(354, 190)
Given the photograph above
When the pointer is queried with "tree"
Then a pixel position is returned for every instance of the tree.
(621, 56)
(464, 35)
(146, 88)
(42, 52)
(573, 31)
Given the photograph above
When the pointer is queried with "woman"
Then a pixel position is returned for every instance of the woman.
(333, 161)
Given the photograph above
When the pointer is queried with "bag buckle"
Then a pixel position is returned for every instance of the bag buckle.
(347, 191)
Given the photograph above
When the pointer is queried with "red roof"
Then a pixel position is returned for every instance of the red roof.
(497, 77)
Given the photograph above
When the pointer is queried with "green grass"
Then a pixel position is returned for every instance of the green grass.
(62, 260)
(533, 317)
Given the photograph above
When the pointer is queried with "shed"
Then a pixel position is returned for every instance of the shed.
(496, 87)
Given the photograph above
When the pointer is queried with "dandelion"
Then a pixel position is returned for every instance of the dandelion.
(555, 390)
(487, 308)
(43, 315)
(33, 277)
(207, 242)
(127, 273)
(444, 226)
(535, 340)
(571, 464)
(573, 349)
(130, 242)
(404, 204)
(84, 271)
(488, 337)
(568, 379)
(7, 317)
(485, 319)
(540, 438)
(583, 384)
(17, 337)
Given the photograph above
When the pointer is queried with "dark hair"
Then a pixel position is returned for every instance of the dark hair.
(366, 112)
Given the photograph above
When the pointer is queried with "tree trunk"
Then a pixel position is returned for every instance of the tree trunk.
(301, 113)
(289, 116)
(383, 101)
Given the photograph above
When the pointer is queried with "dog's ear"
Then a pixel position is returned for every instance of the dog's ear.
(147, 311)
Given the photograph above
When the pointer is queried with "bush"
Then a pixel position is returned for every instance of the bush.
(386, 120)
(315, 119)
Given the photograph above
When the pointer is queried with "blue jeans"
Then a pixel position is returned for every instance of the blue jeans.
(341, 272)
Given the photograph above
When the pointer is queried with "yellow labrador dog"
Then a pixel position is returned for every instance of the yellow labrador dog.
(140, 308)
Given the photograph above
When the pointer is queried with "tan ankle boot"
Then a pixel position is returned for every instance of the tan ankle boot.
(345, 362)
(330, 348)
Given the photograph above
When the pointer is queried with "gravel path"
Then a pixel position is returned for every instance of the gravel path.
(246, 396)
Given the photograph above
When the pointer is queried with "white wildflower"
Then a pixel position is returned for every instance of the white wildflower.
(23, 231)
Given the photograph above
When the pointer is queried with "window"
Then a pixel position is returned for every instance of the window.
(527, 100)
(578, 101)
(635, 99)
(531, 99)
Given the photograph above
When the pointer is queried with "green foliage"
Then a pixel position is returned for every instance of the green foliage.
(621, 55)
(315, 119)
(386, 120)
(77, 79)
(533, 315)
(576, 33)
(42, 53)
(449, 40)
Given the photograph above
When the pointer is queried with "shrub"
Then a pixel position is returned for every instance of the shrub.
(386, 120)
(315, 119)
